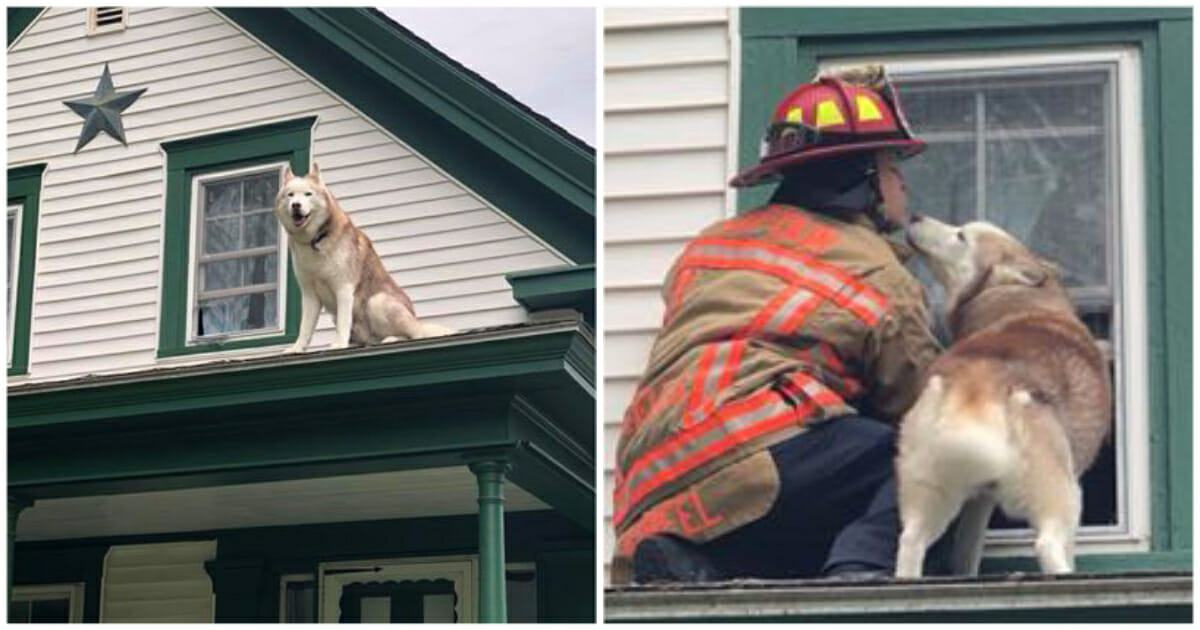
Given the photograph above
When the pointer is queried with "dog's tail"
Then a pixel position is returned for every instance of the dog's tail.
(436, 330)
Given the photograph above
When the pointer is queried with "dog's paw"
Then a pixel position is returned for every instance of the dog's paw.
(293, 349)
(338, 346)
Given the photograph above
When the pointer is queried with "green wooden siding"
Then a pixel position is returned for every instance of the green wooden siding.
(25, 188)
(189, 158)
(783, 47)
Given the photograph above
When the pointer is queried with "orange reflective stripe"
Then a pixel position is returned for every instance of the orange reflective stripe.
(733, 425)
(794, 267)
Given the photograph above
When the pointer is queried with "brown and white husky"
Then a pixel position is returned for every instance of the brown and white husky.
(1012, 414)
(337, 268)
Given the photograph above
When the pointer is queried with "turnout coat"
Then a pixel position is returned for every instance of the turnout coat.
(774, 320)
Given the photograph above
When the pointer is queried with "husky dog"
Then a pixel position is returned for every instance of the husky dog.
(1011, 414)
(338, 269)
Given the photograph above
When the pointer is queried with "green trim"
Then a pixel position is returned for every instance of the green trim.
(271, 552)
(492, 588)
(1175, 53)
(559, 287)
(825, 21)
(187, 159)
(535, 174)
(25, 188)
(19, 19)
(782, 48)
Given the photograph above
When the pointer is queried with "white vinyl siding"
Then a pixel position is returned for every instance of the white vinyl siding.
(96, 295)
(159, 582)
(668, 149)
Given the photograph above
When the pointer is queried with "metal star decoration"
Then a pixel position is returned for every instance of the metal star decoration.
(102, 111)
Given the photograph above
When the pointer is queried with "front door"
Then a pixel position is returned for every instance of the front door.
(399, 591)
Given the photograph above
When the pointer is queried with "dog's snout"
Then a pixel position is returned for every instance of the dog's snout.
(916, 218)
(295, 206)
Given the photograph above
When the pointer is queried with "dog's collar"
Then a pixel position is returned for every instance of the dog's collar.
(322, 232)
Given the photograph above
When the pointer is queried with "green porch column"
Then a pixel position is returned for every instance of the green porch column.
(493, 602)
(15, 505)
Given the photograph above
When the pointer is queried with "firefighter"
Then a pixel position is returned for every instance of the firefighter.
(760, 440)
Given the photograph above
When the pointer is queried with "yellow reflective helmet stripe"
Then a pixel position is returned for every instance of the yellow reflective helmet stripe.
(829, 114)
(867, 109)
(795, 115)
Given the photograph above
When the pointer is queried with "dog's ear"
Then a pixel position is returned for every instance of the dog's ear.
(287, 172)
(314, 173)
(1031, 273)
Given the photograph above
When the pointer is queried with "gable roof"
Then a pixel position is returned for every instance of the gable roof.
(520, 161)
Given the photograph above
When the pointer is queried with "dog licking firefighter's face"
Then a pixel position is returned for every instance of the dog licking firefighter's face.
(960, 256)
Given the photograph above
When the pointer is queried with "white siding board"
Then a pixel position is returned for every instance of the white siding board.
(636, 130)
(96, 299)
(667, 120)
(158, 582)
(671, 85)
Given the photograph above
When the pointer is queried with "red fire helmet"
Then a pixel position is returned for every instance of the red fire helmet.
(829, 118)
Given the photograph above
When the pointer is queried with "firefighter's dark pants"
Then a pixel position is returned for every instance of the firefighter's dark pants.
(836, 512)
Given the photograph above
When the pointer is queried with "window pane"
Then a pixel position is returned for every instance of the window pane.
(221, 235)
(1052, 101)
(222, 198)
(300, 605)
(260, 229)
(259, 191)
(941, 181)
(50, 611)
(18, 612)
(1050, 194)
(241, 312)
(934, 108)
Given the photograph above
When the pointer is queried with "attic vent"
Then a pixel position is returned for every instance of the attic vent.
(105, 19)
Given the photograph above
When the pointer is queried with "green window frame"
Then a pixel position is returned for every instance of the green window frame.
(25, 190)
(190, 159)
(783, 47)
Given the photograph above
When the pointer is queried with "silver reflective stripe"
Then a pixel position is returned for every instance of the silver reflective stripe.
(714, 372)
(713, 435)
(789, 307)
(822, 278)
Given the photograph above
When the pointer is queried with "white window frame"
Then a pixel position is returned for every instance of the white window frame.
(41, 592)
(1129, 317)
(194, 238)
(16, 210)
(462, 570)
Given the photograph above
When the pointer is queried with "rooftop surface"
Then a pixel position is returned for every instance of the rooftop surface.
(1011, 594)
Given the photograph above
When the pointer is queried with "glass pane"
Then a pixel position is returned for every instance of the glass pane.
(18, 612)
(935, 108)
(1052, 101)
(223, 274)
(50, 611)
(221, 235)
(259, 191)
(300, 605)
(233, 314)
(222, 198)
(1050, 194)
(375, 610)
(941, 181)
(260, 229)
(259, 269)
(439, 608)
(12, 222)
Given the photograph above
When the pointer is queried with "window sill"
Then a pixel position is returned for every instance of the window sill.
(229, 345)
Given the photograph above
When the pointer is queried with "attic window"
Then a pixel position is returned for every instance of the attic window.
(105, 20)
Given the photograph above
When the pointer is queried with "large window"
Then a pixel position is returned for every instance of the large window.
(227, 283)
(1045, 146)
(237, 279)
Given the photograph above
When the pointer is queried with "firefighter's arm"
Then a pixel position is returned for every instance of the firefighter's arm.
(900, 348)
